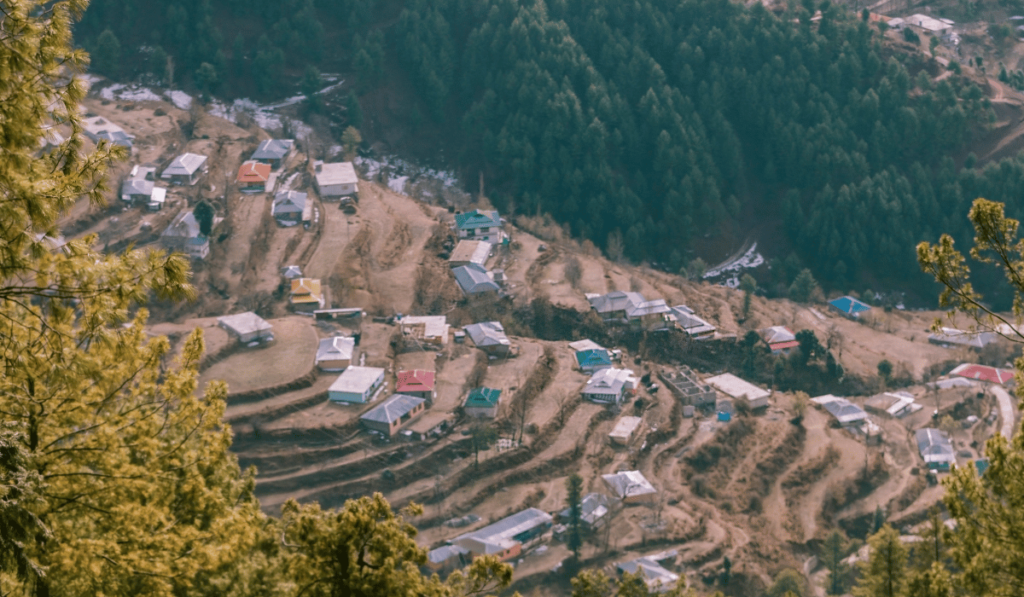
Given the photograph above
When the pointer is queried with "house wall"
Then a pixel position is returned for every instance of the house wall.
(337, 190)
(491, 234)
(603, 398)
(258, 187)
(334, 365)
(290, 216)
(481, 413)
(426, 395)
(306, 307)
(356, 397)
(246, 338)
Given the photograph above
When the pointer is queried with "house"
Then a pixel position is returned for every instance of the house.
(157, 200)
(473, 279)
(290, 272)
(935, 449)
(849, 307)
(183, 236)
(688, 387)
(610, 386)
(630, 486)
(334, 181)
(98, 128)
(952, 337)
(594, 359)
(624, 430)
(389, 416)
(306, 295)
(842, 410)
(506, 538)
(247, 327)
(357, 384)
(290, 208)
(335, 354)
(893, 404)
(656, 577)
(272, 151)
(482, 403)
(489, 336)
(138, 186)
(983, 373)
(929, 24)
(186, 169)
(485, 225)
(690, 323)
(252, 177)
(417, 383)
(470, 252)
(735, 387)
(631, 307)
(594, 510)
(447, 559)
(428, 329)
(779, 339)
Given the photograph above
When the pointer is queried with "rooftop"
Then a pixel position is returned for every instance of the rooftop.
(736, 387)
(934, 446)
(338, 173)
(593, 507)
(392, 409)
(336, 348)
(288, 202)
(416, 380)
(690, 322)
(842, 409)
(473, 251)
(244, 323)
(616, 301)
(609, 381)
(581, 345)
(963, 337)
(509, 527)
(776, 334)
(473, 279)
(483, 398)
(983, 373)
(273, 149)
(357, 379)
(184, 225)
(487, 333)
(625, 427)
(629, 484)
(849, 305)
(434, 326)
(185, 164)
(477, 218)
(253, 172)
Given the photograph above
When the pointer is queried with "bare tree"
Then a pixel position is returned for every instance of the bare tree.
(573, 271)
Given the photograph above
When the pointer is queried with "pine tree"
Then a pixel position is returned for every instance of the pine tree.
(354, 110)
(204, 215)
(574, 487)
(884, 574)
(106, 56)
(833, 551)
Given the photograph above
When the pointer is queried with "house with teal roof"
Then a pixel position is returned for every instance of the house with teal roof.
(849, 306)
(483, 403)
(484, 225)
(593, 359)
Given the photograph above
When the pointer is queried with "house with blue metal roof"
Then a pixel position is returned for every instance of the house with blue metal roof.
(482, 225)
(593, 359)
(849, 306)
(473, 279)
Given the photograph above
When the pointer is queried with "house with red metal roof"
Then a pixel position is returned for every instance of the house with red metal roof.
(983, 373)
(418, 383)
(779, 339)
(253, 177)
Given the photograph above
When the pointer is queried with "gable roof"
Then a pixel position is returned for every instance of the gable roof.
(244, 323)
(849, 305)
(291, 272)
(473, 251)
(609, 381)
(487, 333)
(777, 334)
(982, 373)
(416, 380)
(183, 226)
(690, 322)
(288, 202)
(963, 337)
(135, 186)
(483, 398)
(185, 164)
(616, 300)
(473, 279)
(273, 149)
(651, 307)
(842, 409)
(629, 484)
(392, 409)
(593, 356)
(499, 534)
(587, 344)
(471, 220)
(356, 379)
(336, 348)
(656, 577)
(934, 446)
(593, 507)
(305, 290)
(253, 172)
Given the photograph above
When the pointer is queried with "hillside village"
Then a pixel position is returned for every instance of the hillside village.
(429, 348)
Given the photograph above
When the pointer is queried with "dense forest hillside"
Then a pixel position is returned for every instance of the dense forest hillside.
(643, 126)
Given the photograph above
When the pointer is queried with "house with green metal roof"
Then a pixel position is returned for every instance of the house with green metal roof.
(593, 359)
(482, 225)
(849, 306)
(483, 403)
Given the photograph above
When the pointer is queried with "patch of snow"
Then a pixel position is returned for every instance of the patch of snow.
(119, 91)
(733, 269)
(300, 130)
(402, 174)
(180, 99)
(261, 114)
(398, 184)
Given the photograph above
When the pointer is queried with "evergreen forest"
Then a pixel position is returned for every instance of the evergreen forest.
(643, 126)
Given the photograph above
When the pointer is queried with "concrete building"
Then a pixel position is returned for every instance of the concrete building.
(688, 387)
(247, 327)
(630, 486)
(482, 403)
(735, 387)
(252, 177)
(98, 128)
(357, 385)
(779, 339)
(427, 329)
(417, 383)
(273, 151)
(186, 169)
(334, 181)
(391, 415)
(290, 208)
(624, 430)
(506, 538)
(470, 252)
(692, 325)
(474, 279)
(846, 413)
(335, 354)
(610, 386)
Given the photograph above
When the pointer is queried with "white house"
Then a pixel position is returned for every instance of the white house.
(630, 486)
(335, 354)
(247, 327)
(336, 180)
(735, 387)
(357, 384)
(183, 235)
(480, 224)
(609, 386)
(187, 168)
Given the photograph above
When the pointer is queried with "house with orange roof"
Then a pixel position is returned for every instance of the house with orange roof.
(306, 295)
(253, 177)
(418, 383)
